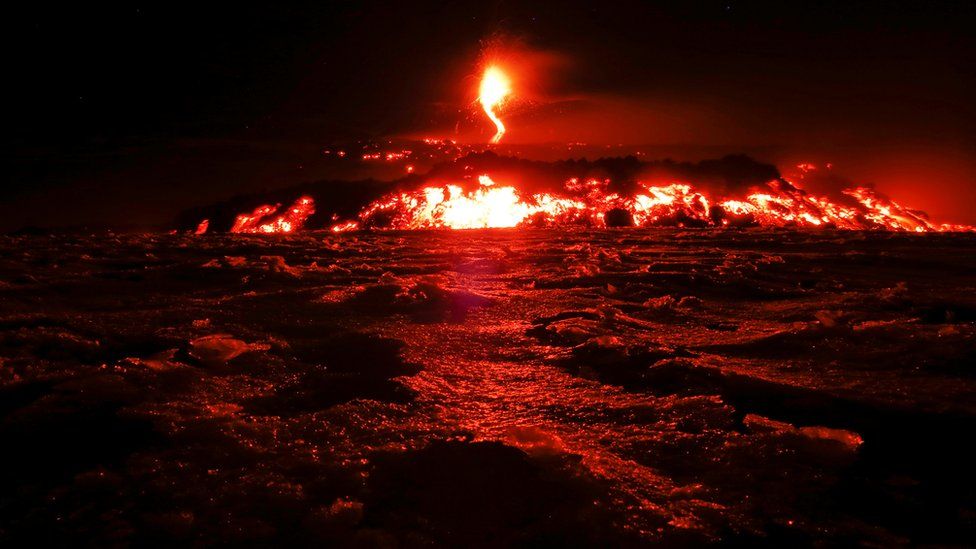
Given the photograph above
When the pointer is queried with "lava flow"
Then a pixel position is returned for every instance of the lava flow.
(591, 203)
(261, 221)
(495, 88)
(451, 207)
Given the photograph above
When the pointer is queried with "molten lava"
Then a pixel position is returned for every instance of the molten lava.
(589, 203)
(495, 88)
(261, 221)
(489, 206)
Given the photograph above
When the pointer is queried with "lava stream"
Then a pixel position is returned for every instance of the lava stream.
(260, 220)
(495, 87)
(779, 204)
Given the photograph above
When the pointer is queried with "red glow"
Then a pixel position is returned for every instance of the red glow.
(261, 221)
(495, 88)
(779, 204)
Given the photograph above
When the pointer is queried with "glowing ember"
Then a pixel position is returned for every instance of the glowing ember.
(202, 227)
(495, 87)
(261, 220)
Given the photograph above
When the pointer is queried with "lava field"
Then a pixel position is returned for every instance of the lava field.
(488, 388)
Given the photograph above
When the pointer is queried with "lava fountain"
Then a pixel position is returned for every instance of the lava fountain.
(495, 88)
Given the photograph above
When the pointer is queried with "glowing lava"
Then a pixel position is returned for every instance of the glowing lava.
(489, 206)
(778, 204)
(495, 87)
(261, 220)
(592, 202)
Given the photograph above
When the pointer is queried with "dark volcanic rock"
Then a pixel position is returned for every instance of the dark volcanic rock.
(743, 387)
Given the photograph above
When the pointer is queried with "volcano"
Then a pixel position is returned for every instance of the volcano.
(587, 274)
(462, 193)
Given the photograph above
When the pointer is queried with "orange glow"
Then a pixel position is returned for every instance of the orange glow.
(495, 88)
(344, 227)
(779, 204)
(260, 220)
(449, 206)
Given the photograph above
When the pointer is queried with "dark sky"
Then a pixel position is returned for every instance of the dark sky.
(121, 115)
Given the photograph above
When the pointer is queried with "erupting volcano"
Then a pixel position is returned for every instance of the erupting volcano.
(607, 274)
(430, 202)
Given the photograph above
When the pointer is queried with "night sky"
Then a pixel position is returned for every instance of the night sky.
(123, 115)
